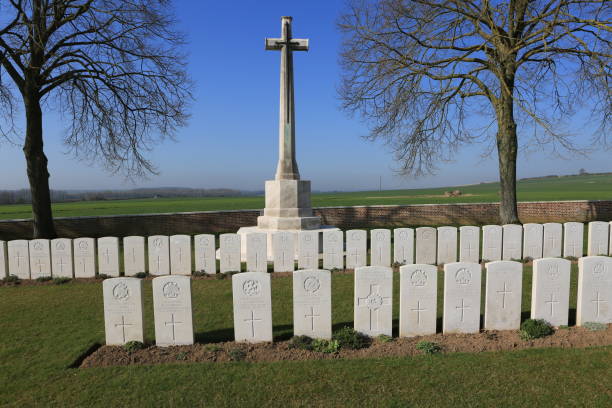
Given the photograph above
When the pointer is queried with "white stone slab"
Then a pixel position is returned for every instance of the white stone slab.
(172, 310)
(403, 246)
(40, 258)
(205, 253)
(469, 244)
(108, 256)
(3, 260)
(550, 290)
(492, 243)
(123, 306)
(283, 251)
(418, 300)
(356, 248)
(425, 245)
(373, 300)
(159, 254)
(380, 247)
(180, 255)
(312, 303)
(257, 252)
(447, 245)
(19, 258)
(504, 290)
(594, 290)
(252, 307)
(333, 250)
(553, 240)
(133, 255)
(308, 249)
(84, 250)
(573, 239)
(512, 242)
(533, 236)
(229, 253)
(598, 238)
(61, 258)
(462, 282)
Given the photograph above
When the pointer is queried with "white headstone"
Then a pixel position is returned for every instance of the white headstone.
(598, 238)
(380, 247)
(553, 235)
(373, 300)
(356, 248)
(492, 243)
(447, 245)
(418, 300)
(425, 245)
(159, 255)
(3, 262)
(205, 253)
(469, 244)
(133, 255)
(172, 310)
(84, 250)
(512, 242)
(19, 258)
(108, 256)
(533, 235)
(229, 253)
(403, 246)
(503, 295)
(40, 258)
(283, 251)
(61, 258)
(180, 255)
(308, 250)
(252, 307)
(333, 250)
(123, 305)
(573, 238)
(594, 290)
(462, 282)
(550, 290)
(257, 252)
(312, 303)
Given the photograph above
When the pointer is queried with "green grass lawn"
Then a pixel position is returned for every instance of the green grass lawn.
(45, 328)
(596, 187)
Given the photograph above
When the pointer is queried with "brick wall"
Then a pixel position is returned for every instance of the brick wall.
(342, 217)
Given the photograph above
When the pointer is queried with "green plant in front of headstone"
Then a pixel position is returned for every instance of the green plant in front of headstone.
(428, 347)
(43, 279)
(237, 354)
(12, 279)
(535, 328)
(348, 338)
(383, 338)
(102, 276)
(334, 270)
(325, 346)
(61, 280)
(595, 326)
(199, 273)
(141, 275)
(181, 356)
(527, 259)
(300, 342)
(133, 346)
(212, 348)
(571, 258)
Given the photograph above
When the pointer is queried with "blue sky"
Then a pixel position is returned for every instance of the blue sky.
(231, 140)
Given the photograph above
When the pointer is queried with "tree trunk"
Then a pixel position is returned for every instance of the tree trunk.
(507, 147)
(38, 174)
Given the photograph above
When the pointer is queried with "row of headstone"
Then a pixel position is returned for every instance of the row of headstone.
(373, 300)
(424, 245)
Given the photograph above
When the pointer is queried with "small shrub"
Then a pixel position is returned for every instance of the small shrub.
(181, 356)
(348, 338)
(527, 259)
(301, 342)
(325, 346)
(102, 276)
(141, 275)
(397, 264)
(383, 338)
(199, 273)
(485, 261)
(563, 327)
(12, 279)
(61, 280)
(535, 328)
(43, 279)
(213, 348)
(220, 276)
(571, 258)
(595, 326)
(237, 355)
(132, 346)
(428, 347)
(516, 260)
(334, 270)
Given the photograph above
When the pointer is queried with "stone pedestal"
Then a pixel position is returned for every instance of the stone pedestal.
(288, 206)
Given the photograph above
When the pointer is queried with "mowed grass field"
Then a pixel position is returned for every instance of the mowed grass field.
(588, 187)
(45, 328)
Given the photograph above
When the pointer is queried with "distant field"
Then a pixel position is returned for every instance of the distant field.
(595, 187)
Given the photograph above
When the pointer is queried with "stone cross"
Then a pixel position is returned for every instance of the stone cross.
(287, 166)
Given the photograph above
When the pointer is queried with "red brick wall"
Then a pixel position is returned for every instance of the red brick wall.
(342, 217)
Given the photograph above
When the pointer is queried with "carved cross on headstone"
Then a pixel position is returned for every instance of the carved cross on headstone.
(287, 166)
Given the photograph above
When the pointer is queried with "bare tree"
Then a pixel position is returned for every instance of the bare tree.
(112, 68)
(425, 73)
